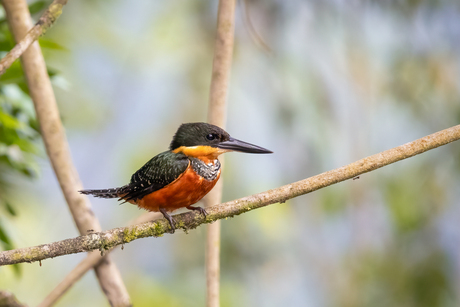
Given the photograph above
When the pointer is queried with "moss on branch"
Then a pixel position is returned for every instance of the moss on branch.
(190, 220)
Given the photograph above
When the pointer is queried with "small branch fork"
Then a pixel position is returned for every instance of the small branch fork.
(44, 23)
(93, 259)
(55, 140)
(190, 220)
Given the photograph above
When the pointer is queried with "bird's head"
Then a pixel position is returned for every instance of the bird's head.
(201, 139)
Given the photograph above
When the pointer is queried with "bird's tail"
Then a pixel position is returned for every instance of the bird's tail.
(105, 193)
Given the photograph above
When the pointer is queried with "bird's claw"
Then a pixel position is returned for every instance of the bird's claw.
(170, 219)
(202, 210)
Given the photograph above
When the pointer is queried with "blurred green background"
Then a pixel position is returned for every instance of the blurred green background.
(341, 80)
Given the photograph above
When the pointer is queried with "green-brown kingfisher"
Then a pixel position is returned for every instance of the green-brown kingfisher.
(184, 174)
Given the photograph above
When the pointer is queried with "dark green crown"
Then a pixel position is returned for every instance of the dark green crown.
(195, 134)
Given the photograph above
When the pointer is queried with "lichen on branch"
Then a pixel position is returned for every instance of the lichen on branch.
(190, 220)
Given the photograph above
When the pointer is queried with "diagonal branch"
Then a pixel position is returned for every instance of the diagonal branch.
(44, 23)
(190, 220)
(87, 264)
(57, 148)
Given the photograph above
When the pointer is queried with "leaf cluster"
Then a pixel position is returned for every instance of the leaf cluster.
(19, 129)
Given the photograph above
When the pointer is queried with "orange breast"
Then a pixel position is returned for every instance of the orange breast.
(188, 189)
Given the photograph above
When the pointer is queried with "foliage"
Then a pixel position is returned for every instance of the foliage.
(19, 129)
(342, 81)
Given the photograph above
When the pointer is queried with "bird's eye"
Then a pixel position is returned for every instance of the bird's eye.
(211, 136)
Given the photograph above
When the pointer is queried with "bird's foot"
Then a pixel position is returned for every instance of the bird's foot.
(202, 210)
(170, 219)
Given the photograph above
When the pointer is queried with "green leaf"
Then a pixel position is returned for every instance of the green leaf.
(9, 121)
(52, 72)
(6, 244)
(29, 172)
(37, 7)
(10, 209)
(17, 269)
(46, 43)
(14, 74)
(33, 123)
(5, 45)
(5, 240)
(23, 86)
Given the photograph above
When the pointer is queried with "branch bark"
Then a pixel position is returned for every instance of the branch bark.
(221, 67)
(190, 220)
(87, 264)
(53, 135)
(7, 299)
(44, 23)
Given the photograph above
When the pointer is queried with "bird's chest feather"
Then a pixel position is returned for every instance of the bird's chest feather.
(197, 180)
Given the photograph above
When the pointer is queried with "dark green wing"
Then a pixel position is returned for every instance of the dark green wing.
(160, 171)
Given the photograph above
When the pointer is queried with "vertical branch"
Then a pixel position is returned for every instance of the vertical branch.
(57, 148)
(223, 51)
(221, 66)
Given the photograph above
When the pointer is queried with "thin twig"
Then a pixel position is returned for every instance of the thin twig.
(57, 148)
(190, 220)
(44, 23)
(221, 67)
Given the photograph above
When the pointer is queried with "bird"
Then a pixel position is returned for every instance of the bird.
(182, 175)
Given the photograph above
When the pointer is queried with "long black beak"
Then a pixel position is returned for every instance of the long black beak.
(237, 145)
